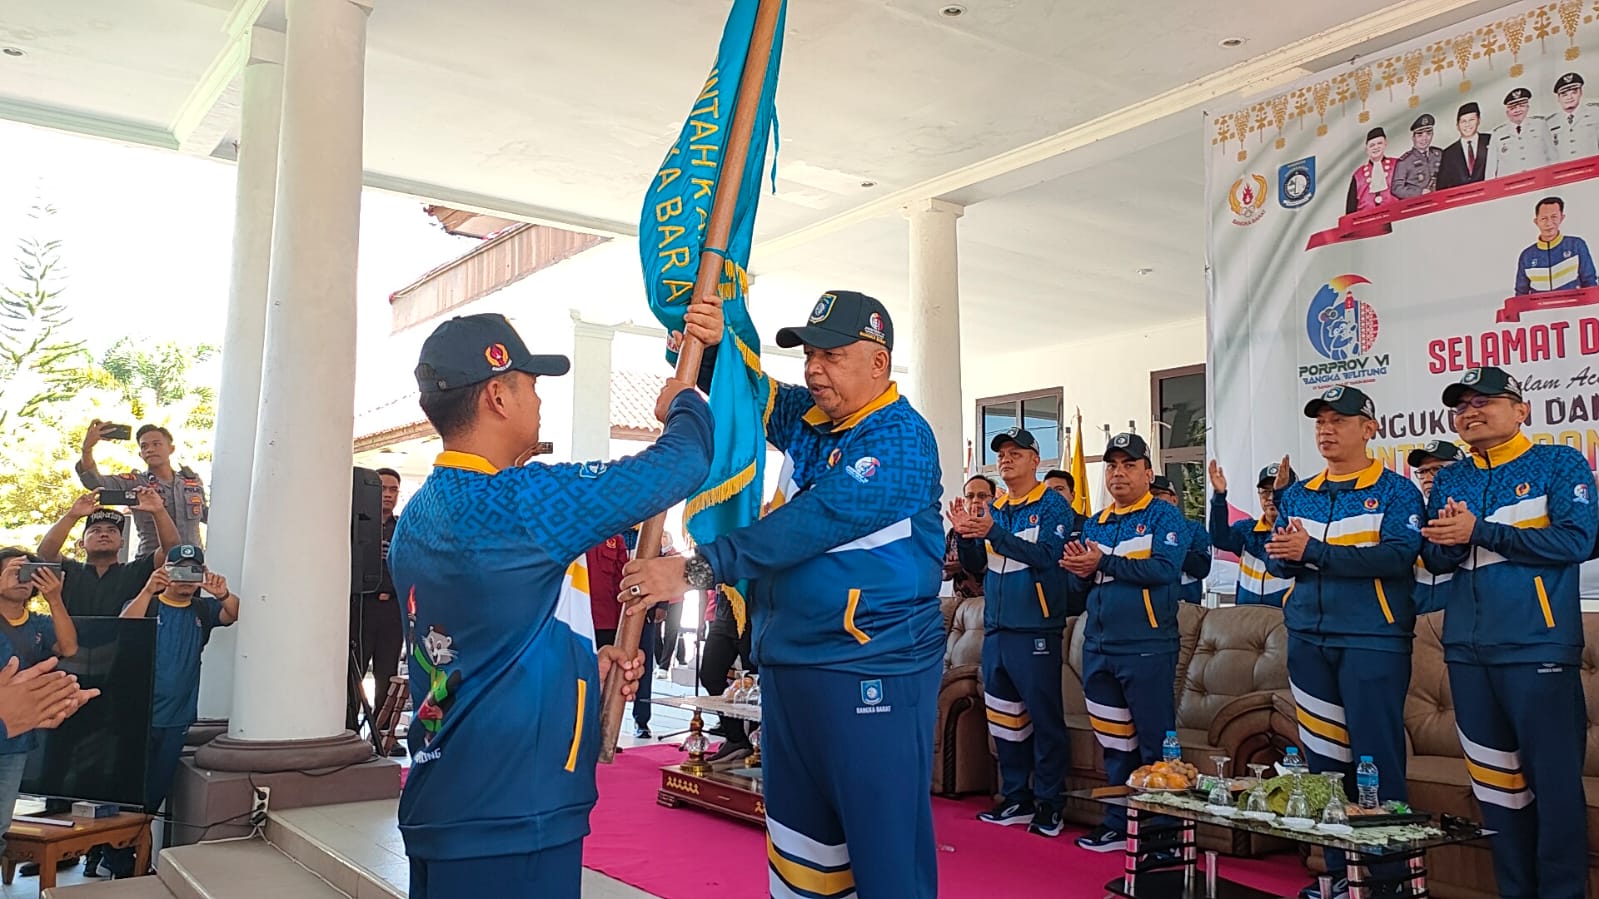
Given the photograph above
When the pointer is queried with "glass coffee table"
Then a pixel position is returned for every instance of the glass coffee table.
(1149, 877)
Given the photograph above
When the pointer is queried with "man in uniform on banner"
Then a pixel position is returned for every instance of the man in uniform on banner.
(505, 686)
(1416, 173)
(1514, 526)
(1575, 127)
(1130, 561)
(1196, 558)
(1247, 538)
(1369, 185)
(1349, 537)
(1555, 261)
(1523, 142)
(1019, 543)
(1466, 160)
(844, 578)
(1426, 461)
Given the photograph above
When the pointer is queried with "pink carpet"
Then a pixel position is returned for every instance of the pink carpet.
(685, 853)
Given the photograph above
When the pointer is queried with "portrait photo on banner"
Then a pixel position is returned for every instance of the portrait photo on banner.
(1396, 221)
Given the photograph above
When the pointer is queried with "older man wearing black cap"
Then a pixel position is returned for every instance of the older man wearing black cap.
(844, 600)
(1024, 613)
(1514, 527)
(1416, 173)
(1575, 128)
(1432, 590)
(1349, 537)
(1523, 142)
(1196, 560)
(1130, 561)
(506, 689)
(1466, 160)
(1369, 185)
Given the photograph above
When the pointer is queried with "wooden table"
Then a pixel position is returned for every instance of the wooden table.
(49, 844)
(732, 788)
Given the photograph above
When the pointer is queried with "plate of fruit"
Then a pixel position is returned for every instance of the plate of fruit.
(1164, 777)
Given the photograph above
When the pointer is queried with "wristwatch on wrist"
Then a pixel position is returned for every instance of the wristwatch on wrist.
(697, 571)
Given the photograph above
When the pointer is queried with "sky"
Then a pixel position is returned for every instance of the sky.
(147, 238)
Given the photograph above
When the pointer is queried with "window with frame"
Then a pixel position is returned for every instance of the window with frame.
(1177, 408)
(1038, 411)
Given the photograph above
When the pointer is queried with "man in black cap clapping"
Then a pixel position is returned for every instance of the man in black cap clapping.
(1425, 463)
(1417, 170)
(1466, 160)
(1575, 128)
(1523, 142)
(1368, 186)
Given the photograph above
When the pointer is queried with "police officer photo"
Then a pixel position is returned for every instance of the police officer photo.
(1576, 126)
(1523, 142)
(1466, 160)
(1416, 173)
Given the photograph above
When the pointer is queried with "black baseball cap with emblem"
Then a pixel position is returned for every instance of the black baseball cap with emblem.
(1518, 95)
(1344, 401)
(1268, 476)
(1568, 81)
(1423, 122)
(105, 516)
(1488, 381)
(1130, 445)
(470, 349)
(1162, 484)
(187, 552)
(840, 318)
(1442, 450)
(1019, 436)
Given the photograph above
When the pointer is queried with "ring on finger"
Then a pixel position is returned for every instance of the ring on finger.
(635, 590)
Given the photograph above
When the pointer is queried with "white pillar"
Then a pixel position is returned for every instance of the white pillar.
(591, 389)
(934, 329)
(238, 402)
(292, 642)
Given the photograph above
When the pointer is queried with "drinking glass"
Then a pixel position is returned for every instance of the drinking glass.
(1258, 801)
(754, 695)
(1219, 794)
(737, 693)
(1298, 802)
(1334, 813)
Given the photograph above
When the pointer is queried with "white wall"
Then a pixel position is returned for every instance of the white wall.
(1108, 378)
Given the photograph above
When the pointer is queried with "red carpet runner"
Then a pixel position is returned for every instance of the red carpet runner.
(684, 853)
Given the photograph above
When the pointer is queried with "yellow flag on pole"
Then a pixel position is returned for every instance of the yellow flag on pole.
(1080, 471)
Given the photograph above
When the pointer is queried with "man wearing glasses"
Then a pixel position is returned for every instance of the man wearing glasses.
(1425, 463)
(1515, 527)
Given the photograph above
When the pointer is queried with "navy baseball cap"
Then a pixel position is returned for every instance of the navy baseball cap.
(1488, 381)
(840, 318)
(470, 349)
(105, 516)
(1344, 401)
(1268, 476)
(1162, 484)
(1130, 445)
(1442, 450)
(186, 552)
(1019, 436)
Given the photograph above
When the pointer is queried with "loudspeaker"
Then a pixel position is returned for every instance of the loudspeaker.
(366, 532)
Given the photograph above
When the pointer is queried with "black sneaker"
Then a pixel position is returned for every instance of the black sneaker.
(1047, 822)
(730, 751)
(1340, 890)
(1160, 858)
(1009, 812)
(1102, 839)
(642, 732)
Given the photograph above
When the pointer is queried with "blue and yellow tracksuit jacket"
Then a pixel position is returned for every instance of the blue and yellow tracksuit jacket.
(1515, 595)
(506, 690)
(1196, 563)
(1354, 587)
(1246, 539)
(1133, 597)
(847, 564)
(1025, 588)
(1432, 590)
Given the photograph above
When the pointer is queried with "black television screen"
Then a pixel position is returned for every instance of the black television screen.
(99, 753)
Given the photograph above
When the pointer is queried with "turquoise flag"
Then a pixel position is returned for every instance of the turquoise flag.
(672, 234)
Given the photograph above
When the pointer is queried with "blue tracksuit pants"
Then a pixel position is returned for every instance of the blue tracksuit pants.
(1131, 705)
(1022, 695)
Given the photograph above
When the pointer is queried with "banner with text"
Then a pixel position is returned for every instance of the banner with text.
(1394, 222)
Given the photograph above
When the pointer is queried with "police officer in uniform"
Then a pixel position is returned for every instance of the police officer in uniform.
(180, 489)
(1417, 171)
(1576, 126)
(1523, 142)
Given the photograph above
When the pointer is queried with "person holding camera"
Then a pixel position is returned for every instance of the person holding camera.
(100, 585)
(188, 601)
(181, 491)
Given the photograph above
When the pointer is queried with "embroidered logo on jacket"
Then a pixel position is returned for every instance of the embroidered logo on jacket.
(863, 469)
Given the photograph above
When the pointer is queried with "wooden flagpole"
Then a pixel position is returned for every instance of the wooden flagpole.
(706, 282)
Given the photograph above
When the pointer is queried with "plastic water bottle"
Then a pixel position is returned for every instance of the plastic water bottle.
(1366, 782)
(1170, 749)
(1293, 762)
